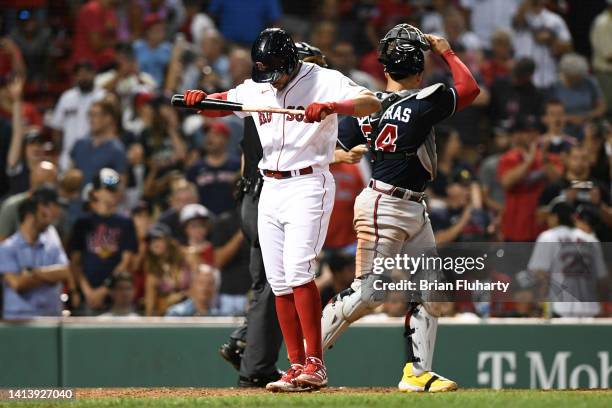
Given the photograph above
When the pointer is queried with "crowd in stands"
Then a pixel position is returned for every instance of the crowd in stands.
(114, 203)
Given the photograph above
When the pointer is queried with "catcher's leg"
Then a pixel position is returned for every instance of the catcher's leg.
(421, 327)
(378, 237)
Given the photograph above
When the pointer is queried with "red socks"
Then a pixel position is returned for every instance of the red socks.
(299, 316)
(308, 306)
(289, 322)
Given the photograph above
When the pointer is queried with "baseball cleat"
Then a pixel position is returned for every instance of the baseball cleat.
(426, 382)
(314, 374)
(287, 382)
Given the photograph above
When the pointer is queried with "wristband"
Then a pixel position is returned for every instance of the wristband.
(346, 107)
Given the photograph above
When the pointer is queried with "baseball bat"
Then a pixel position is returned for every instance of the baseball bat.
(218, 104)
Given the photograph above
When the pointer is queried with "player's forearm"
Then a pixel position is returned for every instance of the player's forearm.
(363, 105)
(465, 84)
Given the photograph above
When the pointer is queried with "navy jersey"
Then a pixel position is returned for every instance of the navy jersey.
(402, 128)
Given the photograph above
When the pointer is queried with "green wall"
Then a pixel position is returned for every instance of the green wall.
(481, 355)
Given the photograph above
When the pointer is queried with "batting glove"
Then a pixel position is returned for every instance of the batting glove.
(193, 96)
(317, 111)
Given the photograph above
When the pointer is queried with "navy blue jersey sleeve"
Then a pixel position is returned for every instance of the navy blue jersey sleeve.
(438, 106)
(350, 133)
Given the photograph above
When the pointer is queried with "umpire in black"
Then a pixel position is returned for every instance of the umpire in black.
(253, 348)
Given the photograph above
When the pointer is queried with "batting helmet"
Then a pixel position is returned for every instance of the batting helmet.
(310, 53)
(273, 55)
(401, 51)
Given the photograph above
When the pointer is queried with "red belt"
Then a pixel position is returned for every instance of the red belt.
(286, 174)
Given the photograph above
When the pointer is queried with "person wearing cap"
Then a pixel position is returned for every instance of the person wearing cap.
(153, 52)
(102, 149)
(70, 114)
(216, 173)
(569, 265)
(516, 94)
(182, 193)
(102, 242)
(33, 265)
(195, 223)
(463, 218)
(523, 172)
(168, 271)
(43, 181)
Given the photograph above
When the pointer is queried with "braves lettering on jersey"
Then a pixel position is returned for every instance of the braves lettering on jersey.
(404, 126)
(288, 142)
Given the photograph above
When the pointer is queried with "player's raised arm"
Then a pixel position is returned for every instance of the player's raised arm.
(465, 84)
(363, 104)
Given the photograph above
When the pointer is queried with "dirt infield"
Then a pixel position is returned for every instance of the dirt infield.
(85, 393)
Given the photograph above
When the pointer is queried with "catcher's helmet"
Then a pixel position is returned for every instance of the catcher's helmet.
(273, 55)
(401, 51)
(310, 53)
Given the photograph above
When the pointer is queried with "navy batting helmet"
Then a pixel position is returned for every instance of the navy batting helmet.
(310, 53)
(401, 51)
(273, 55)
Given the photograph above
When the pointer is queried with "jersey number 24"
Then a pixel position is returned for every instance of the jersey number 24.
(386, 138)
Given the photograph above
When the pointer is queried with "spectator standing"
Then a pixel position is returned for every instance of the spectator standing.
(102, 149)
(240, 21)
(33, 36)
(96, 33)
(463, 219)
(33, 264)
(488, 16)
(554, 121)
(70, 115)
(516, 95)
(43, 180)
(523, 172)
(102, 242)
(216, 173)
(601, 32)
(543, 36)
(579, 92)
(233, 262)
(500, 64)
(153, 52)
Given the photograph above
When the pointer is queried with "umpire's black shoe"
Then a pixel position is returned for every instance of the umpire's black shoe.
(232, 353)
(258, 381)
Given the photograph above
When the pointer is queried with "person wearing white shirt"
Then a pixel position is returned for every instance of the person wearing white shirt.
(69, 118)
(543, 36)
(488, 16)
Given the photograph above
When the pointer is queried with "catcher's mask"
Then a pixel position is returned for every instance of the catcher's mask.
(401, 51)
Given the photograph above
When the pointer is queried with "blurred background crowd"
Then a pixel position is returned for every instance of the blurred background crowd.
(141, 196)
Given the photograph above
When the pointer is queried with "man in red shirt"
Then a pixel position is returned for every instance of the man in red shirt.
(95, 33)
(523, 173)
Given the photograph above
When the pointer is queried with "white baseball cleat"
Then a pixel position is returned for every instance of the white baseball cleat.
(314, 374)
(287, 382)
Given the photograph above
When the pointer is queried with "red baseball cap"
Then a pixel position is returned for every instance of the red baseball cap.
(219, 127)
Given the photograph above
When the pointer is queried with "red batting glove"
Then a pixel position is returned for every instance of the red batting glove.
(193, 96)
(314, 111)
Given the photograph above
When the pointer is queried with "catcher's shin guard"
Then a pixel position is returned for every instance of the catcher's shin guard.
(421, 329)
(350, 305)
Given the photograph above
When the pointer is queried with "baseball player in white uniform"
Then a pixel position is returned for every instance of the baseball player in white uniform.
(298, 192)
(569, 263)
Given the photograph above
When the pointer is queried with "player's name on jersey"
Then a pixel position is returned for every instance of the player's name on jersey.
(435, 285)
